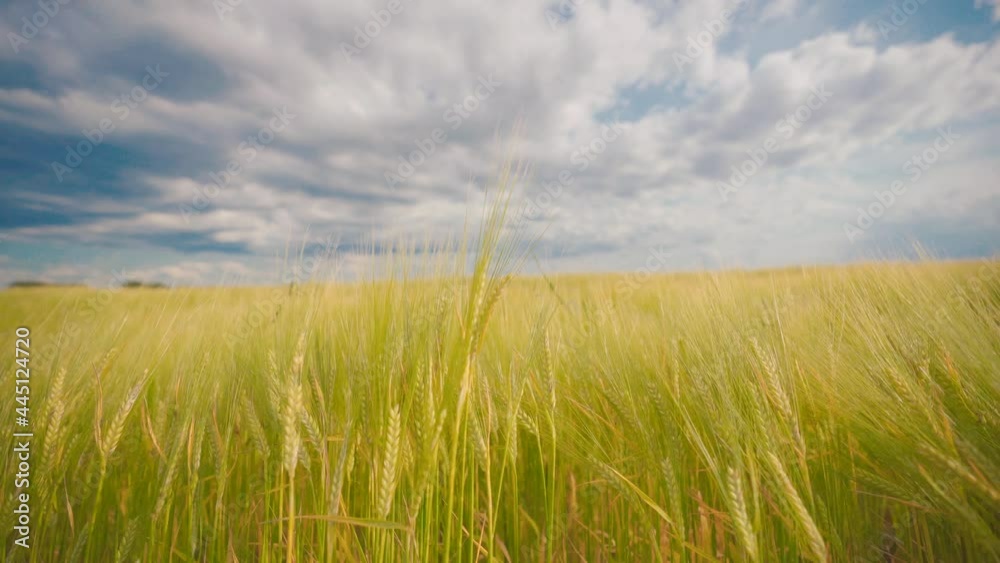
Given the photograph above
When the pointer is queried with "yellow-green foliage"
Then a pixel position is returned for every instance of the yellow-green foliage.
(842, 414)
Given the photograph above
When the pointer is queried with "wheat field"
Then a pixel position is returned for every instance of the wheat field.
(820, 414)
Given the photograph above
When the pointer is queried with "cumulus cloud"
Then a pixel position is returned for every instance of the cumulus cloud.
(993, 5)
(777, 9)
(397, 114)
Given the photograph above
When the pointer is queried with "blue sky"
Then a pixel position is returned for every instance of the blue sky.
(330, 130)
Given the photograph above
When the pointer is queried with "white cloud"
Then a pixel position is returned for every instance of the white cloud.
(778, 9)
(656, 185)
(987, 3)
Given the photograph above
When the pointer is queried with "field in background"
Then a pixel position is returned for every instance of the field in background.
(841, 414)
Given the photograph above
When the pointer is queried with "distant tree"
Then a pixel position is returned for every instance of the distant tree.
(133, 284)
(28, 283)
(40, 283)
